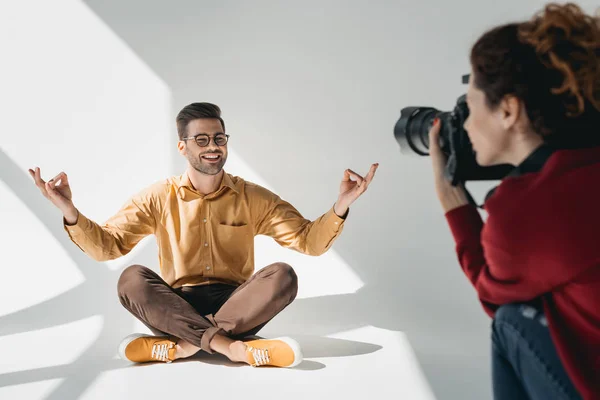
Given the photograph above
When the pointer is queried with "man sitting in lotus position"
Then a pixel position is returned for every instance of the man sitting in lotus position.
(205, 220)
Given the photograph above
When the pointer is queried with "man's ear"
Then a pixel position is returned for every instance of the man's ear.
(182, 148)
(510, 109)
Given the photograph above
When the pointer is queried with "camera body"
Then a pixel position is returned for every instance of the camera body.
(412, 134)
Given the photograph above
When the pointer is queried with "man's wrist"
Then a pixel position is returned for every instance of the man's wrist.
(340, 211)
(71, 216)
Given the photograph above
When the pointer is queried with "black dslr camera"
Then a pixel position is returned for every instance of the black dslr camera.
(412, 133)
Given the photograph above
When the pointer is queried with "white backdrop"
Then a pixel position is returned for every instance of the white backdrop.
(307, 89)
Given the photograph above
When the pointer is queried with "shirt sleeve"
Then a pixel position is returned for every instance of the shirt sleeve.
(516, 278)
(280, 220)
(493, 290)
(119, 234)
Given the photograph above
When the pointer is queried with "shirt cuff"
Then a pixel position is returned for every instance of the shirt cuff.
(79, 228)
(343, 216)
(332, 219)
(465, 223)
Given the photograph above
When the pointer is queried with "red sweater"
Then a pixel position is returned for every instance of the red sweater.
(541, 241)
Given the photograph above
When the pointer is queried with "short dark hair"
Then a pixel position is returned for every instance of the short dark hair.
(551, 63)
(196, 111)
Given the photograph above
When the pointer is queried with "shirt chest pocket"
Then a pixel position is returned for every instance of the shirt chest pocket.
(233, 243)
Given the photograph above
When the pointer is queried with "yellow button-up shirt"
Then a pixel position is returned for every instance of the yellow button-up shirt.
(205, 238)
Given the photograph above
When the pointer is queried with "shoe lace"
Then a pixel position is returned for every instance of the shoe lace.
(261, 356)
(161, 351)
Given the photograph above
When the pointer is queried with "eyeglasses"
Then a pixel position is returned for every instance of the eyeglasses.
(203, 140)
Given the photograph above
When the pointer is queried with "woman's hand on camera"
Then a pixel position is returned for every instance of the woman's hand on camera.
(450, 197)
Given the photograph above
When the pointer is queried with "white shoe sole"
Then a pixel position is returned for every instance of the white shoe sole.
(125, 342)
(295, 346)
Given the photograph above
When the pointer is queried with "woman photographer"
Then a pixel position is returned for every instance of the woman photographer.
(534, 101)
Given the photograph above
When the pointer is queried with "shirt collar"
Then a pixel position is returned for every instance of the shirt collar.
(184, 182)
(533, 163)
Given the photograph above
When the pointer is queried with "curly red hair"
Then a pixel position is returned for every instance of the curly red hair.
(551, 63)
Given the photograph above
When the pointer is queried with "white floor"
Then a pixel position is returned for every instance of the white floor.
(354, 364)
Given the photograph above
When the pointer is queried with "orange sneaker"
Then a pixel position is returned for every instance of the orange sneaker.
(141, 348)
(280, 352)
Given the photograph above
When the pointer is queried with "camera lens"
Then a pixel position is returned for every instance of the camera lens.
(412, 129)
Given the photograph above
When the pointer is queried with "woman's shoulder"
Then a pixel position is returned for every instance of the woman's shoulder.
(566, 172)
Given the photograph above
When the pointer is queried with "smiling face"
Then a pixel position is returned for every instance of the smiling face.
(210, 159)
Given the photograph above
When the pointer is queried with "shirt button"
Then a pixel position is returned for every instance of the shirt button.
(204, 219)
(205, 244)
(207, 268)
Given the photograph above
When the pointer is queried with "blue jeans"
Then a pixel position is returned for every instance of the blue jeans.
(525, 364)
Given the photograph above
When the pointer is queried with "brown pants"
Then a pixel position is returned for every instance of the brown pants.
(197, 313)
